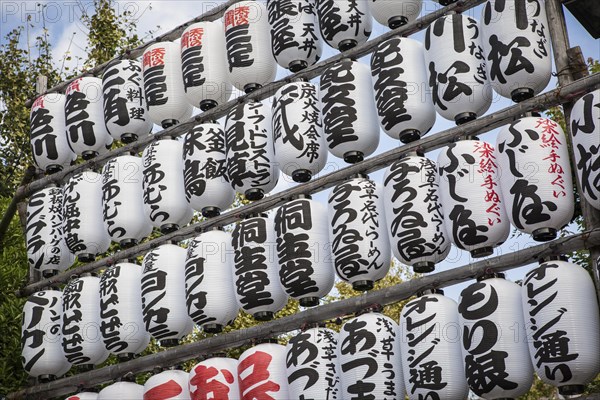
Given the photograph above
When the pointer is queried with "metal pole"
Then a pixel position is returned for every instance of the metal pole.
(565, 69)
(430, 142)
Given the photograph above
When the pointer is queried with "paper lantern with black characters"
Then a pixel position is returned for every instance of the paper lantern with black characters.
(474, 213)
(216, 378)
(209, 287)
(83, 396)
(535, 182)
(585, 126)
(402, 97)
(122, 200)
(163, 294)
(359, 237)
(207, 188)
(49, 145)
(84, 117)
(251, 169)
(163, 85)
(124, 103)
(262, 373)
(369, 358)
(204, 65)
(256, 272)
(395, 13)
(83, 225)
(413, 213)
(494, 342)
(41, 349)
(122, 391)
(295, 36)
(456, 68)
(47, 249)
(81, 331)
(312, 367)
(248, 45)
(431, 352)
(344, 23)
(122, 322)
(300, 148)
(302, 246)
(562, 310)
(515, 42)
(163, 184)
(349, 117)
(167, 385)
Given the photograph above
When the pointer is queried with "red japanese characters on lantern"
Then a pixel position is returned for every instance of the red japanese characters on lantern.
(262, 373)
(237, 16)
(214, 379)
(168, 385)
(154, 57)
(192, 38)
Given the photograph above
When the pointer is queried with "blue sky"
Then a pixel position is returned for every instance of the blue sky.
(67, 34)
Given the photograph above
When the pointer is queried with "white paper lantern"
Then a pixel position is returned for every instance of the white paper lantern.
(248, 44)
(207, 188)
(122, 391)
(163, 294)
(349, 116)
(495, 349)
(516, 46)
(312, 367)
(402, 96)
(300, 148)
(535, 181)
(560, 303)
(250, 155)
(167, 385)
(431, 351)
(262, 373)
(215, 378)
(344, 23)
(164, 190)
(369, 358)
(457, 68)
(163, 85)
(303, 250)
(47, 249)
(395, 13)
(83, 396)
(413, 213)
(84, 117)
(474, 213)
(124, 103)
(122, 322)
(122, 199)
(209, 288)
(256, 272)
(82, 339)
(585, 126)
(295, 35)
(41, 350)
(359, 237)
(83, 224)
(49, 145)
(204, 65)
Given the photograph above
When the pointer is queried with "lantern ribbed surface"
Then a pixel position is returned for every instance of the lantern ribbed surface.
(395, 13)
(262, 373)
(216, 378)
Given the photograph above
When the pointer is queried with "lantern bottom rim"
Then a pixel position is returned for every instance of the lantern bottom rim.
(207, 104)
(46, 378)
(301, 176)
(521, 94)
(347, 44)
(53, 169)
(544, 234)
(129, 138)
(263, 315)
(309, 301)
(211, 212)
(297, 65)
(423, 267)
(48, 273)
(167, 123)
(464, 117)
(251, 87)
(212, 328)
(482, 252)
(127, 243)
(362, 286)
(410, 135)
(85, 367)
(397, 22)
(169, 342)
(89, 154)
(125, 356)
(569, 390)
(353, 157)
(86, 257)
(254, 194)
(168, 228)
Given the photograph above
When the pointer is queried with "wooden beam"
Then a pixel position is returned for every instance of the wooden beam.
(430, 142)
(324, 312)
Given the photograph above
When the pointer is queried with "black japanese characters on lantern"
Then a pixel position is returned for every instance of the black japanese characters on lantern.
(344, 23)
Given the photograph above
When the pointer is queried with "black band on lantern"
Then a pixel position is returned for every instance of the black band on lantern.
(521, 94)
(168, 228)
(129, 138)
(86, 257)
(169, 342)
(301, 176)
(465, 117)
(89, 154)
(409, 136)
(212, 328)
(211, 212)
(490, 275)
(208, 104)
(423, 267)
(53, 169)
(559, 257)
(482, 252)
(544, 234)
(167, 123)
(397, 22)
(347, 44)
(263, 315)
(309, 302)
(353, 157)
(297, 66)
(49, 273)
(362, 286)
(127, 243)
(430, 291)
(569, 390)
(251, 87)
(254, 194)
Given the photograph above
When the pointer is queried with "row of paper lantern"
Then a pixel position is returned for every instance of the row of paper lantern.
(470, 198)
(404, 87)
(491, 343)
